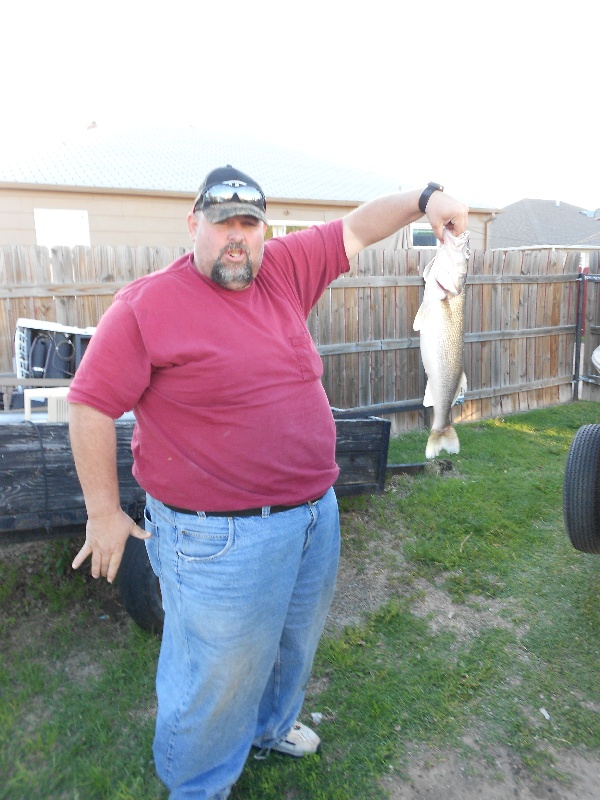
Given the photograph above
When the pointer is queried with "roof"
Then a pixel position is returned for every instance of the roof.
(175, 160)
(545, 222)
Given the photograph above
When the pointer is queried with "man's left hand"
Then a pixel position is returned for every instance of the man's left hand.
(444, 211)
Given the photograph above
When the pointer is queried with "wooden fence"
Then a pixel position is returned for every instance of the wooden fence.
(520, 333)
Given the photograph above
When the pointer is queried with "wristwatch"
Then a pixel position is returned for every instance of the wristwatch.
(427, 192)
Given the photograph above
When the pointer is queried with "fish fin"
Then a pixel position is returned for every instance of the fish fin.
(442, 440)
(462, 388)
(428, 397)
(421, 317)
(428, 268)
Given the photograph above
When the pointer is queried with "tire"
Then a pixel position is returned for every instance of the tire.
(581, 490)
(139, 587)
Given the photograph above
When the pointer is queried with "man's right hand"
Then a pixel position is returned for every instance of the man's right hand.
(105, 540)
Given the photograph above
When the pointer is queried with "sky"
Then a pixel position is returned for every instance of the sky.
(496, 101)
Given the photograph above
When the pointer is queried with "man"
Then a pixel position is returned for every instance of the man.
(234, 444)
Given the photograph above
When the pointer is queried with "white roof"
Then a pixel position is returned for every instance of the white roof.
(172, 159)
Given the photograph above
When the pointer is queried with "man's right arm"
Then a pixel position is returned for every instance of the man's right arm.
(94, 446)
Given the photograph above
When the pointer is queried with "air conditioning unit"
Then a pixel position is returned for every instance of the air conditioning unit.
(48, 349)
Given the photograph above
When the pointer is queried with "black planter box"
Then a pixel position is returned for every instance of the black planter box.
(40, 495)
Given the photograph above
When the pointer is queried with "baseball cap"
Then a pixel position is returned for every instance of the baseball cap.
(227, 192)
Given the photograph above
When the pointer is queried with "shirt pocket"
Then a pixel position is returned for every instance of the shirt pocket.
(311, 366)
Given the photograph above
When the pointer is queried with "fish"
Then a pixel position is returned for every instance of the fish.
(440, 321)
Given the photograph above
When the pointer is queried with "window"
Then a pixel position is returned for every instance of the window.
(278, 228)
(61, 227)
(423, 236)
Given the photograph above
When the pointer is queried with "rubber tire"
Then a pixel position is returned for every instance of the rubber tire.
(581, 490)
(139, 587)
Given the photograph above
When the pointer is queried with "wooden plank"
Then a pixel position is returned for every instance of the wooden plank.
(530, 298)
(410, 377)
(473, 326)
(424, 256)
(523, 319)
(38, 478)
(494, 266)
(509, 402)
(556, 264)
(389, 302)
(530, 386)
(335, 366)
(540, 261)
(377, 327)
(6, 327)
(512, 324)
(62, 273)
(45, 288)
(350, 394)
(487, 367)
(365, 265)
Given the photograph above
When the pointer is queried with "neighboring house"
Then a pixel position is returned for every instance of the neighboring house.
(530, 223)
(135, 188)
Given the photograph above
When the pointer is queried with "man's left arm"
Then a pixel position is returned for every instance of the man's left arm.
(384, 216)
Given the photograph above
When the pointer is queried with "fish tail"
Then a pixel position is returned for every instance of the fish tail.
(442, 440)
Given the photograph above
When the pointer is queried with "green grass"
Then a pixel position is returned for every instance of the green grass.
(76, 676)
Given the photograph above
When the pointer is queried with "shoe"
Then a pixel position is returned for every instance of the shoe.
(300, 741)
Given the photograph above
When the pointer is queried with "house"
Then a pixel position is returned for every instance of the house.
(135, 187)
(530, 223)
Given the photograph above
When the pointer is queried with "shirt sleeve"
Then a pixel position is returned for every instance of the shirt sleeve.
(311, 259)
(115, 369)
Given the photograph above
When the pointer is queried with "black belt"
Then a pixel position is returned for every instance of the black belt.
(244, 512)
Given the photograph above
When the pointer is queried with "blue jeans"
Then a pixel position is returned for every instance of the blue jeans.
(245, 600)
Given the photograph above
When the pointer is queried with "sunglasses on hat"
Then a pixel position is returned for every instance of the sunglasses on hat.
(227, 193)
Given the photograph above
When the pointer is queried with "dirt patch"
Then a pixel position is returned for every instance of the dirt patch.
(444, 775)
(464, 620)
(358, 593)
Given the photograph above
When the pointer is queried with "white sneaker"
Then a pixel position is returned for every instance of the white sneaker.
(300, 741)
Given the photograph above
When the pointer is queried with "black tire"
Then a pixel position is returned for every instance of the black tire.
(581, 490)
(139, 587)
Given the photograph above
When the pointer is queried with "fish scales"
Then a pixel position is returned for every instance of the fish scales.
(440, 320)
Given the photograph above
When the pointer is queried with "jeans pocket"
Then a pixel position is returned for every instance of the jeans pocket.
(149, 525)
(153, 543)
(200, 543)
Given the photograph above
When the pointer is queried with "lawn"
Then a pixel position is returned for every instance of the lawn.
(474, 628)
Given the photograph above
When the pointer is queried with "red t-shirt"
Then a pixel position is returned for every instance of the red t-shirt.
(225, 385)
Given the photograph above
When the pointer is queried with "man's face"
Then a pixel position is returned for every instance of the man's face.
(229, 252)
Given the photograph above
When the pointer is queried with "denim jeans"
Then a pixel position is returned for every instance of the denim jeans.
(245, 600)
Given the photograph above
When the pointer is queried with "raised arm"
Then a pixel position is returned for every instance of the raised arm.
(384, 216)
(94, 445)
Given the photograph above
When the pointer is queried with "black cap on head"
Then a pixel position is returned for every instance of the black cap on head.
(227, 192)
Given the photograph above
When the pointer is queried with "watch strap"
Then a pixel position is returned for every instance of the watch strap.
(426, 194)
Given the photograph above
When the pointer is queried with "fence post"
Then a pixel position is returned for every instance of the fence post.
(578, 333)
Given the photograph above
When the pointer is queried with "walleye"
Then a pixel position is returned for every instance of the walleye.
(440, 320)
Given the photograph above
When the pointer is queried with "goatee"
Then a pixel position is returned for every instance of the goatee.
(226, 276)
